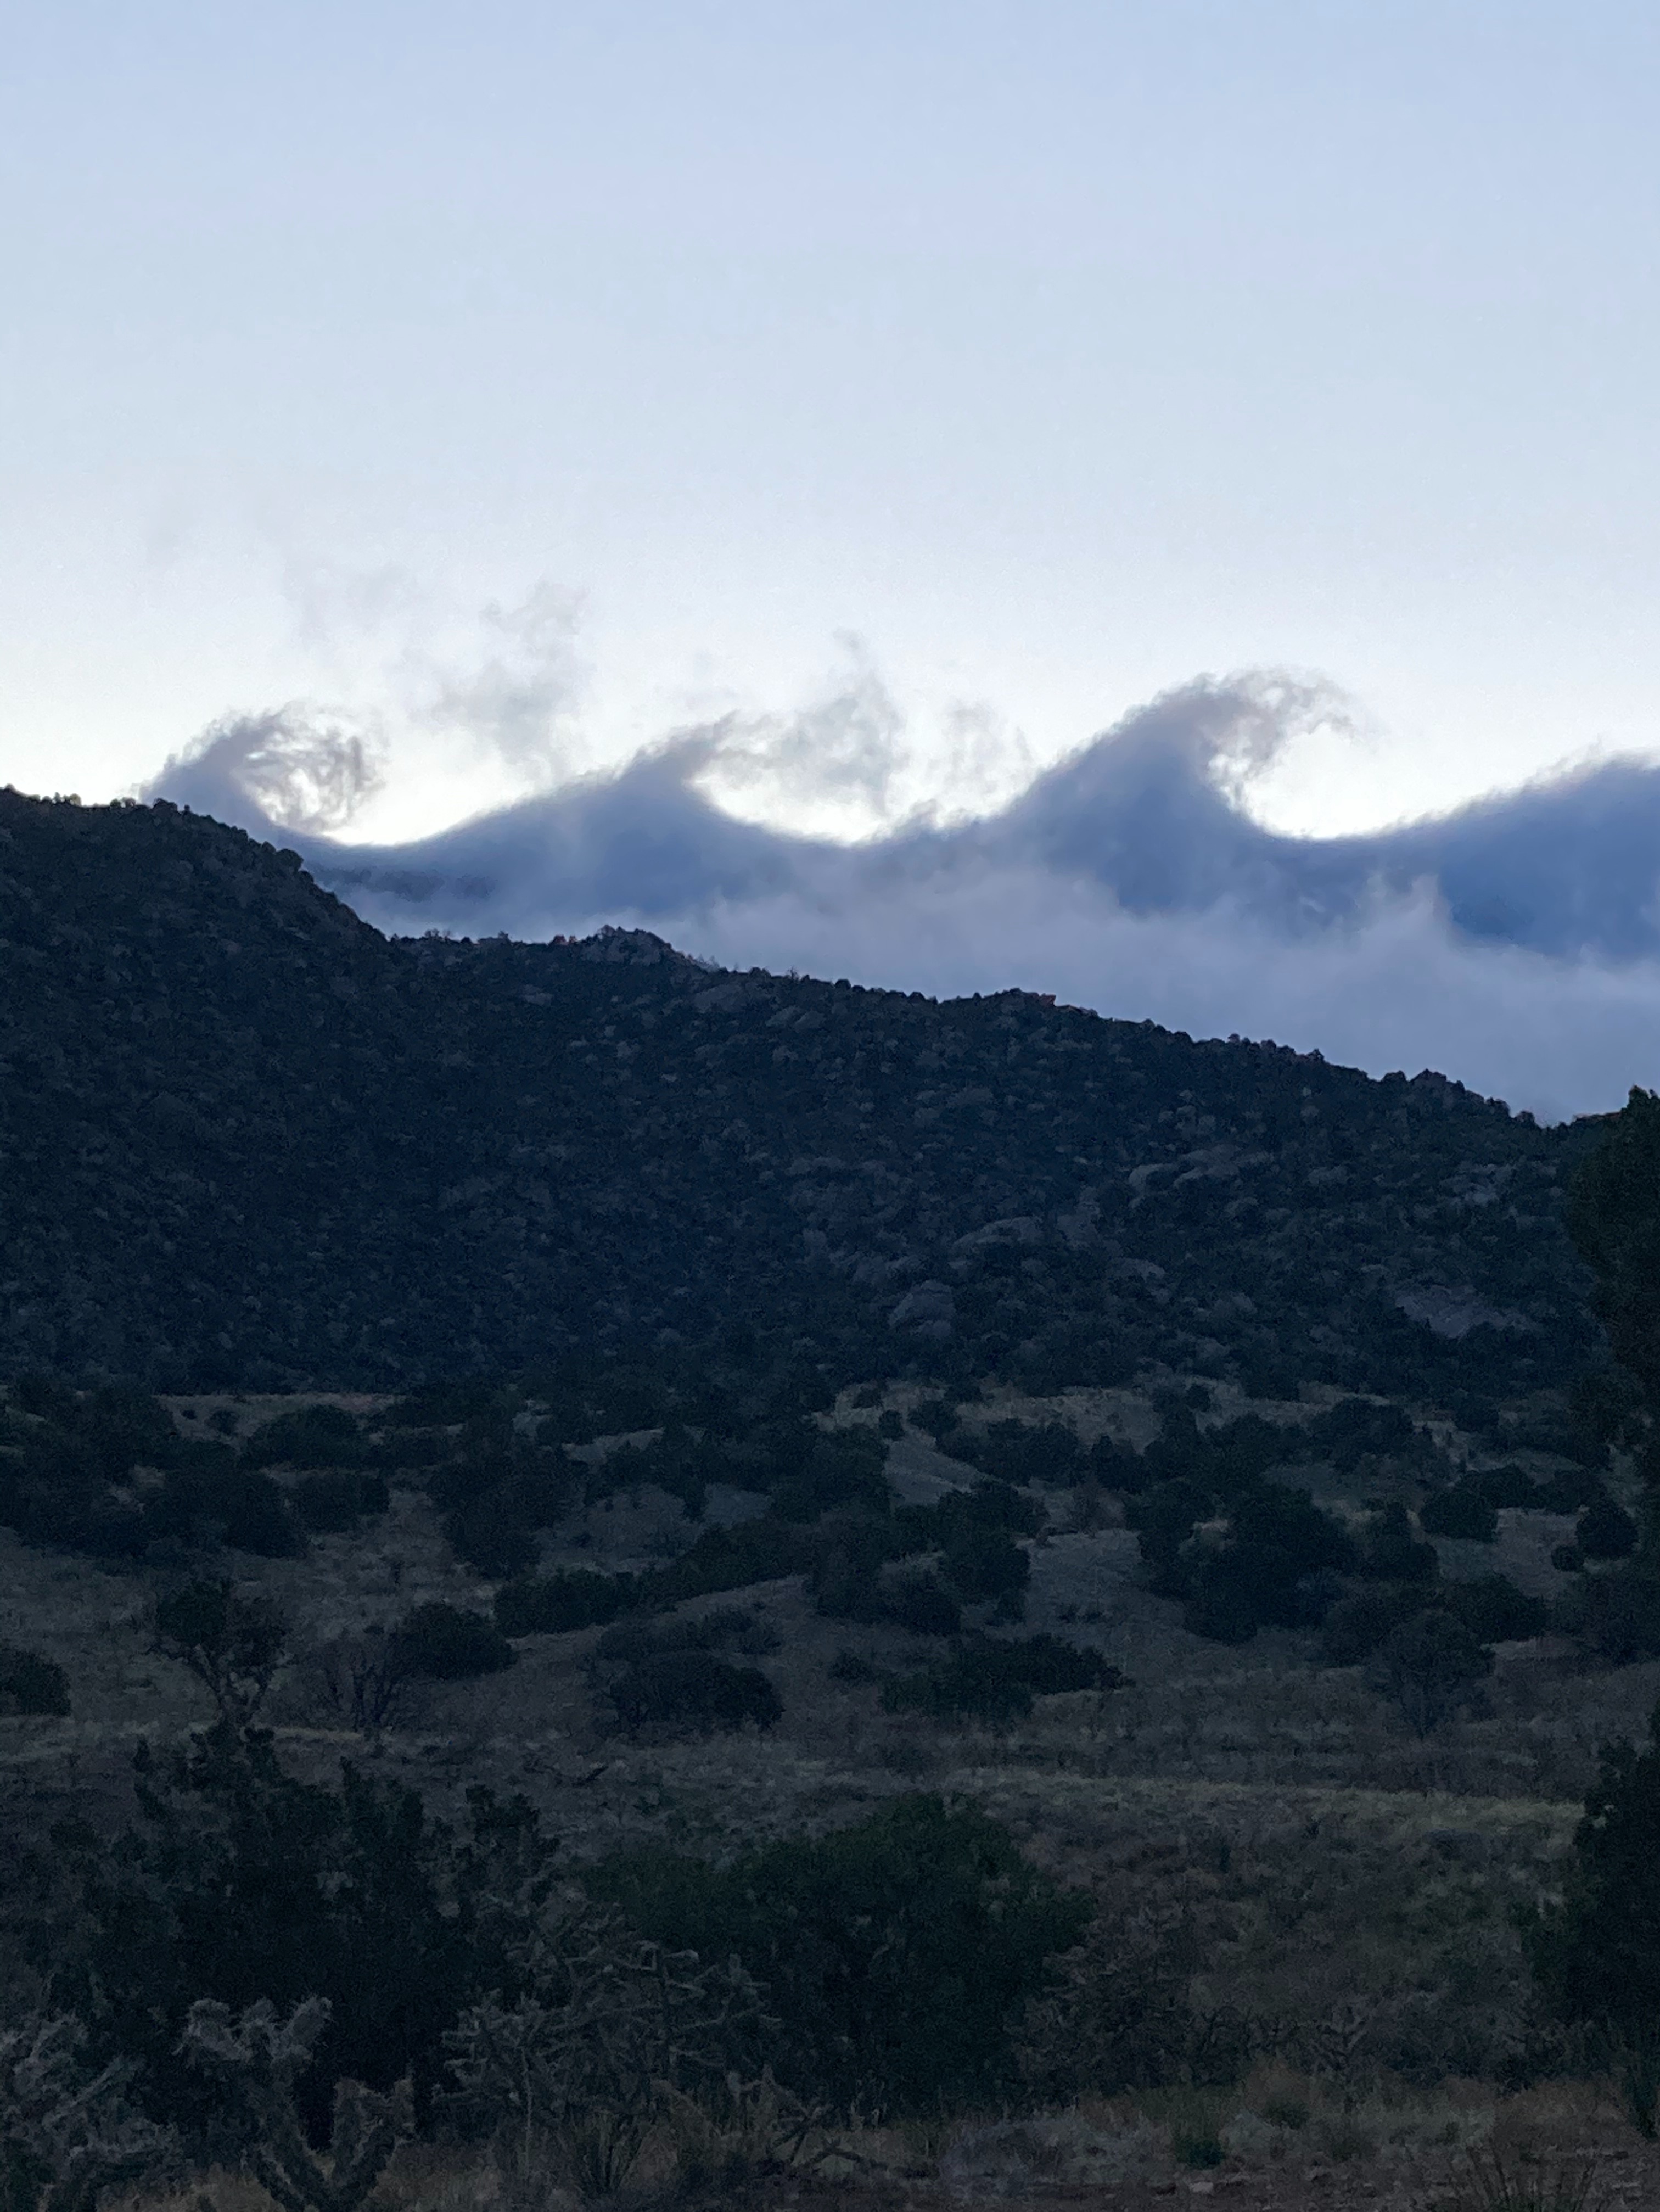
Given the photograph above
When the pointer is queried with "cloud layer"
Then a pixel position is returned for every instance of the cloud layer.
(1514, 944)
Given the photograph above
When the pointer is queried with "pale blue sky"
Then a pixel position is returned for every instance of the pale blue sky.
(1057, 351)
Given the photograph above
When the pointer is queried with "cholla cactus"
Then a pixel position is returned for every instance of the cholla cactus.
(64, 2134)
(258, 2058)
(621, 2026)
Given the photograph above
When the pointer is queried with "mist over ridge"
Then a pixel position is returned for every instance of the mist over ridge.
(1513, 943)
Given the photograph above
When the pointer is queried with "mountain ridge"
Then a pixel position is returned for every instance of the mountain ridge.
(248, 1140)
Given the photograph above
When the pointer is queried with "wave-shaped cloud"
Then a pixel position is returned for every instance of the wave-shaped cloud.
(1515, 943)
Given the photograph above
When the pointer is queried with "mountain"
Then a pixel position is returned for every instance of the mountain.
(248, 1141)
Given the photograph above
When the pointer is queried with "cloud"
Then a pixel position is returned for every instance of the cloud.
(1515, 944)
(290, 770)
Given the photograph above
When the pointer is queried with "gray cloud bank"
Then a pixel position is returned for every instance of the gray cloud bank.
(1514, 944)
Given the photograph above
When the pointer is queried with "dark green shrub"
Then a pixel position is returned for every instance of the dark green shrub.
(935, 1417)
(208, 1499)
(445, 1644)
(1463, 1511)
(553, 1605)
(986, 1565)
(1605, 1531)
(1165, 1517)
(1597, 1955)
(1391, 1551)
(1615, 1615)
(1355, 1429)
(921, 1604)
(897, 1955)
(233, 1641)
(998, 1681)
(1115, 1467)
(731, 1559)
(1022, 1452)
(241, 1881)
(1357, 1625)
(1430, 1666)
(1494, 1611)
(331, 1504)
(1504, 1485)
(724, 1628)
(31, 1684)
(1569, 1489)
(681, 1693)
(310, 1436)
(890, 1426)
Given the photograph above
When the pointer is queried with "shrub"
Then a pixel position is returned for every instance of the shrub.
(31, 1684)
(691, 1693)
(1494, 1611)
(984, 1565)
(724, 1628)
(1430, 1666)
(331, 1504)
(920, 1602)
(898, 1955)
(730, 1558)
(1118, 2016)
(998, 1681)
(233, 1641)
(1391, 1552)
(1597, 1955)
(241, 1882)
(1615, 1615)
(309, 1435)
(447, 1644)
(553, 1605)
(1506, 1485)
(1357, 1625)
(1605, 1531)
(1462, 1510)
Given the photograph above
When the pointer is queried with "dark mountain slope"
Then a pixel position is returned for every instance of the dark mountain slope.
(245, 1138)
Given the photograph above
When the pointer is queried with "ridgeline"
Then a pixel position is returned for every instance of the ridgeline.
(246, 1142)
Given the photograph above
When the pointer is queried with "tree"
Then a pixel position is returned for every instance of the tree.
(1614, 1217)
(233, 1641)
(1429, 1666)
(1597, 1955)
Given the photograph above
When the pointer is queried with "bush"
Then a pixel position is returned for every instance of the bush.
(1391, 1552)
(1506, 1485)
(1494, 1611)
(682, 1693)
(1605, 1531)
(553, 1605)
(331, 1504)
(728, 1559)
(920, 1603)
(1615, 1615)
(31, 1684)
(1430, 1666)
(1463, 1511)
(984, 1565)
(310, 1435)
(998, 1681)
(1597, 1955)
(898, 1955)
(242, 1882)
(1358, 1624)
(445, 1644)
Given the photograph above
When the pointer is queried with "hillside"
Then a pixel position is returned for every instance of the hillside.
(249, 1142)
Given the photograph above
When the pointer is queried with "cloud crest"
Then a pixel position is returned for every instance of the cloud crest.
(1515, 943)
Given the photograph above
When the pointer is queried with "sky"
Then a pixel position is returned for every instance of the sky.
(907, 392)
